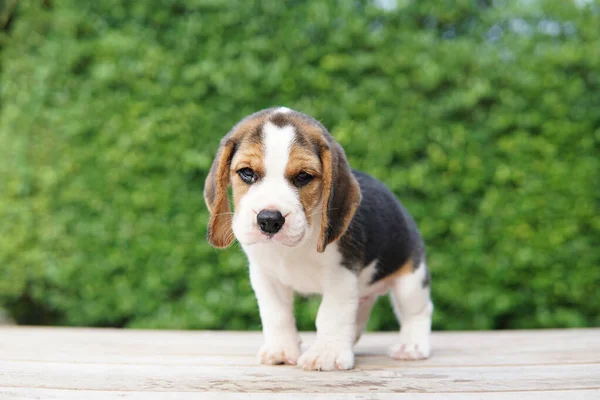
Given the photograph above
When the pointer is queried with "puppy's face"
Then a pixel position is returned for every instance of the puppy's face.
(285, 171)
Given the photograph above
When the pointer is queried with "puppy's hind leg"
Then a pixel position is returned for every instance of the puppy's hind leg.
(413, 307)
(365, 305)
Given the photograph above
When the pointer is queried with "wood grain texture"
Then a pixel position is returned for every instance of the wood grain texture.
(71, 363)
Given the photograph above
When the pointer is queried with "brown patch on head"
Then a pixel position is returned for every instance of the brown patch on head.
(303, 159)
(281, 119)
(245, 139)
(250, 154)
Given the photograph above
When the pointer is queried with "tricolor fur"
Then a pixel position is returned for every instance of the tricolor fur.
(310, 224)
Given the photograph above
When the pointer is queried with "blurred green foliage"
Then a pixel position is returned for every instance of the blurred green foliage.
(483, 117)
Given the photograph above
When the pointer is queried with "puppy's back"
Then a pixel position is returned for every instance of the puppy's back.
(382, 230)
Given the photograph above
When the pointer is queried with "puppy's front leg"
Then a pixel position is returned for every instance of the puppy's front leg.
(336, 324)
(276, 305)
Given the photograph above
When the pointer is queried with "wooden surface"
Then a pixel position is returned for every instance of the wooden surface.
(57, 363)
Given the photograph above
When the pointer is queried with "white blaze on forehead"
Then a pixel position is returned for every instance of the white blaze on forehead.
(277, 144)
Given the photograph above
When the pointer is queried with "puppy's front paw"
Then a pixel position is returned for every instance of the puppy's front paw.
(327, 357)
(410, 350)
(286, 352)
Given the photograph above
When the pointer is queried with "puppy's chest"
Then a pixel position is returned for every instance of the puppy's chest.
(303, 277)
(302, 271)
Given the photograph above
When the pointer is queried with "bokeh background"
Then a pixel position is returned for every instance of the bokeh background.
(482, 116)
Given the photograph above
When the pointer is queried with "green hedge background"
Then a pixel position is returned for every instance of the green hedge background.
(482, 116)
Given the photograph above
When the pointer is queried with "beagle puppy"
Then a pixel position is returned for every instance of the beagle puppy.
(310, 224)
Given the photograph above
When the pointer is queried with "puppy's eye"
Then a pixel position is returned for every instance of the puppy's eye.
(247, 175)
(302, 179)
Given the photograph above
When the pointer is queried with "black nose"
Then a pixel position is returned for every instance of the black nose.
(270, 221)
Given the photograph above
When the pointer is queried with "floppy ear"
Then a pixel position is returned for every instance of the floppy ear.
(220, 234)
(341, 195)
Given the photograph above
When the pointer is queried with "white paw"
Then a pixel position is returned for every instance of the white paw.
(410, 350)
(280, 353)
(327, 357)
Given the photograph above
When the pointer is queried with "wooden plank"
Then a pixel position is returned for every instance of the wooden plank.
(48, 394)
(61, 362)
(83, 345)
(114, 377)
